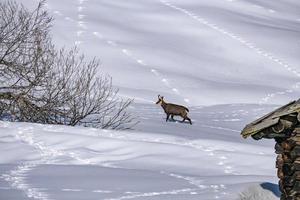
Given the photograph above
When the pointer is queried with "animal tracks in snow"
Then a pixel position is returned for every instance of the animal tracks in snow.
(81, 24)
(56, 12)
(153, 194)
(17, 177)
(284, 64)
(221, 159)
(219, 189)
(82, 30)
(141, 62)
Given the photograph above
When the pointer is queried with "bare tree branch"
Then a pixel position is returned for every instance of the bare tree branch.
(40, 84)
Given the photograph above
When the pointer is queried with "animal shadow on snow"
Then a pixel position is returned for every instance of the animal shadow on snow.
(178, 121)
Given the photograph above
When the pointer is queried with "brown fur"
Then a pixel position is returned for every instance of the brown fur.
(173, 110)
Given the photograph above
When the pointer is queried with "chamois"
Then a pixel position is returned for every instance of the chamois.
(173, 109)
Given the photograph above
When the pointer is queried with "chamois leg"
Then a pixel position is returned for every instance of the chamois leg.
(183, 115)
(183, 119)
(168, 115)
(189, 120)
(172, 117)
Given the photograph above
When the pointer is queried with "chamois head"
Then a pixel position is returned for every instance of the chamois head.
(160, 100)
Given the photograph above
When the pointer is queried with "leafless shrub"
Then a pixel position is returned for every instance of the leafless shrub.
(41, 84)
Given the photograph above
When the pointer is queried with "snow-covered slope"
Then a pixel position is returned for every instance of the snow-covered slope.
(230, 61)
(195, 52)
(198, 52)
(157, 161)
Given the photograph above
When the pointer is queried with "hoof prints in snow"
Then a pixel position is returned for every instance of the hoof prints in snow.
(119, 183)
(142, 63)
(17, 180)
(246, 43)
(18, 176)
(81, 24)
(56, 12)
(111, 184)
(219, 190)
(153, 194)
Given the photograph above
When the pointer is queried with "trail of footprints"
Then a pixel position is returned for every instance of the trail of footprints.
(218, 189)
(17, 180)
(153, 194)
(141, 62)
(82, 30)
(81, 23)
(17, 177)
(221, 160)
(82, 27)
(246, 43)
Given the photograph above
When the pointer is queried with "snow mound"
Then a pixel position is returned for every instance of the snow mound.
(257, 192)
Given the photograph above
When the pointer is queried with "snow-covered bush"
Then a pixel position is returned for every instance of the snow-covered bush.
(41, 84)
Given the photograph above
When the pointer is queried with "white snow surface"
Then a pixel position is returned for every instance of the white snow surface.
(158, 160)
(229, 61)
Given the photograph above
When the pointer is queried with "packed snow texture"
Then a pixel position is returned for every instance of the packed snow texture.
(229, 61)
